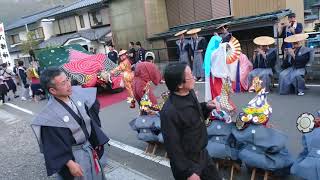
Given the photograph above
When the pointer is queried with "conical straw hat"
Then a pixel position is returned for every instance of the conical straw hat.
(223, 24)
(194, 31)
(180, 32)
(296, 38)
(264, 40)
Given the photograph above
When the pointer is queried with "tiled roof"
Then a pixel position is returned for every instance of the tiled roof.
(307, 11)
(316, 4)
(32, 18)
(76, 5)
(311, 17)
(210, 24)
(90, 34)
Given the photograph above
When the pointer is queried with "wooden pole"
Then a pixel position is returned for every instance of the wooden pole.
(232, 169)
(266, 174)
(253, 174)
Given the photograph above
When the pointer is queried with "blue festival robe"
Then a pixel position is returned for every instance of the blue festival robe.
(307, 165)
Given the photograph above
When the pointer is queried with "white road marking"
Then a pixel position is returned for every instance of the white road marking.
(13, 122)
(200, 82)
(157, 159)
(19, 108)
(10, 119)
(308, 85)
(138, 152)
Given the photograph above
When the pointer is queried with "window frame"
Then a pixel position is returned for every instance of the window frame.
(12, 37)
(38, 33)
(67, 21)
(81, 21)
(91, 18)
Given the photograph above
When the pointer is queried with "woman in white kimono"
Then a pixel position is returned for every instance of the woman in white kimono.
(294, 65)
(183, 47)
(264, 60)
(70, 140)
(198, 47)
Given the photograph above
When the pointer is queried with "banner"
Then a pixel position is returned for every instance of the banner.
(4, 52)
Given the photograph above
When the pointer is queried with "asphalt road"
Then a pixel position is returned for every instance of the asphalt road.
(20, 157)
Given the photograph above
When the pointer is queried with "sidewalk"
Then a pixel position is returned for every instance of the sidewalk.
(116, 171)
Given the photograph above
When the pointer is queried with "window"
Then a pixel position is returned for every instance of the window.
(95, 18)
(15, 39)
(38, 33)
(81, 21)
(66, 25)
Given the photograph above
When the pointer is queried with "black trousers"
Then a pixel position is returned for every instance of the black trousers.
(210, 172)
(11, 84)
(2, 97)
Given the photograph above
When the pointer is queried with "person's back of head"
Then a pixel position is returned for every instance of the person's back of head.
(138, 43)
(111, 47)
(149, 56)
(20, 63)
(174, 75)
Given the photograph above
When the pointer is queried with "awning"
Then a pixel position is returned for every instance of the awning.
(243, 23)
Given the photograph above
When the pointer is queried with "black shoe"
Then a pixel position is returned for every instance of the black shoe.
(16, 96)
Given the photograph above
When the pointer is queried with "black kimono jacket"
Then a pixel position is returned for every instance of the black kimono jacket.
(303, 56)
(269, 62)
(185, 134)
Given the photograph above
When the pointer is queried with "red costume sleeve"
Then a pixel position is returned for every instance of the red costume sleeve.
(145, 72)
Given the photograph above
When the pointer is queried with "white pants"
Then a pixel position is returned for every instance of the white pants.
(25, 92)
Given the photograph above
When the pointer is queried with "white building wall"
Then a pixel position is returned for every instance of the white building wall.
(47, 27)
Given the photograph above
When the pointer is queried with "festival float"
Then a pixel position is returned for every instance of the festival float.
(261, 147)
(148, 124)
(87, 70)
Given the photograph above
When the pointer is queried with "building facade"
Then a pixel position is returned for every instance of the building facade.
(17, 31)
(154, 22)
(138, 20)
(84, 22)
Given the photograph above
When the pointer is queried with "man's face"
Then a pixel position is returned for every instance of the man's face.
(292, 19)
(189, 80)
(62, 86)
(110, 48)
(264, 48)
(297, 44)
